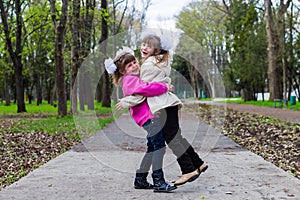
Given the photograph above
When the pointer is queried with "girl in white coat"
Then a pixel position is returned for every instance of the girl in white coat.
(156, 68)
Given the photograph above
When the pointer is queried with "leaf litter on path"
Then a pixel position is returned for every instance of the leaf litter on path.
(275, 140)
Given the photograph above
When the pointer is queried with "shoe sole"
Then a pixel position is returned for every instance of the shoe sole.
(189, 180)
(204, 169)
(143, 188)
(165, 191)
(195, 177)
(162, 191)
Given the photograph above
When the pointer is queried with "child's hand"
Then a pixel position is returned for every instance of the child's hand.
(119, 106)
(170, 87)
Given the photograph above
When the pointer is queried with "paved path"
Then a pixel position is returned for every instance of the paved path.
(103, 168)
(280, 113)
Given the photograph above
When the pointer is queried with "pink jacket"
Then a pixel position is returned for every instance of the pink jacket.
(134, 85)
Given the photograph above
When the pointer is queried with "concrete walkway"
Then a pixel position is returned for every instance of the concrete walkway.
(103, 167)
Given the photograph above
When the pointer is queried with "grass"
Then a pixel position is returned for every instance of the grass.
(43, 108)
(44, 118)
(265, 103)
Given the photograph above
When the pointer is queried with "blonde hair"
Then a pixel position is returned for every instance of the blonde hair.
(155, 42)
(121, 61)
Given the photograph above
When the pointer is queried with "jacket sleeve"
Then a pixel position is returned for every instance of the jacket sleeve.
(131, 100)
(135, 86)
(135, 91)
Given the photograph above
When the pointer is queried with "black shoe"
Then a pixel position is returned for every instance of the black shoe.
(164, 187)
(140, 181)
(159, 182)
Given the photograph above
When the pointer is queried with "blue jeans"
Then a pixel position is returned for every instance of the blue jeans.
(156, 146)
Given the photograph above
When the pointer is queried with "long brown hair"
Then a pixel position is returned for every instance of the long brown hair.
(155, 42)
(121, 61)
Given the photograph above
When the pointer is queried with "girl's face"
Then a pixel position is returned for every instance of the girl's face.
(147, 51)
(132, 68)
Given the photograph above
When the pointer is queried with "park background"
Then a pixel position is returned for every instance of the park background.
(250, 47)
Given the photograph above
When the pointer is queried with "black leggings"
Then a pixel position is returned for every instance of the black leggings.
(187, 158)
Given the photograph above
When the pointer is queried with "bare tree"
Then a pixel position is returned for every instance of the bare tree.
(116, 27)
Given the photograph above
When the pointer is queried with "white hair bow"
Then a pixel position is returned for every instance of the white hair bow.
(109, 63)
(166, 43)
(123, 51)
(110, 66)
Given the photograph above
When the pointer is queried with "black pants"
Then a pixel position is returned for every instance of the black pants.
(187, 158)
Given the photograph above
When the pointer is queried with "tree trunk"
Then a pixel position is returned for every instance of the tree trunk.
(292, 74)
(191, 70)
(274, 41)
(73, 82)
(59, 58)
(248, 93)
(90, 92)
(106, 101)
(81, 86)
(284, 67)
(6, 89)
(90, 6)
(84, 45)
(53, 94)
(39, 93)
(16, 55)
(75, 62)
(98, 91)
(273, 49)
(281, 29)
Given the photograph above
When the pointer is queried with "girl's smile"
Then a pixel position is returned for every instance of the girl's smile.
(146, 50)
(132, 68)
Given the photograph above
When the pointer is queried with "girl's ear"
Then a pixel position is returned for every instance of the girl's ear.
(122, 72)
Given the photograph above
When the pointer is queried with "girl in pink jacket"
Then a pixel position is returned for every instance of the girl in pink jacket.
(156, 68)
(126, 70)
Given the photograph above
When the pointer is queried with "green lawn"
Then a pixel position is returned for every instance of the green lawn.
(266, 103)
(44, 118)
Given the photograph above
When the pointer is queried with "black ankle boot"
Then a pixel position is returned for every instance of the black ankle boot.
(159, 182)
(140, 181)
